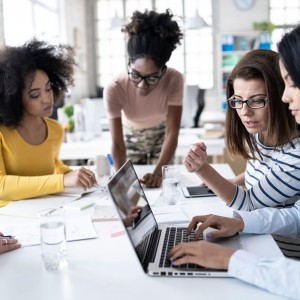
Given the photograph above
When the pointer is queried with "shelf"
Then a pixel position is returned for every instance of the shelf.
(232, 46)
(237, 52)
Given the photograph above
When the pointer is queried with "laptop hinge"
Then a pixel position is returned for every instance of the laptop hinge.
(152, 247)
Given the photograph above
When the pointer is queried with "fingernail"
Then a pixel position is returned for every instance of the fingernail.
(173, 262)
(209, 235)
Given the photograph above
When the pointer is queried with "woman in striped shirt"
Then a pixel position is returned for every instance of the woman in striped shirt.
(260, 128)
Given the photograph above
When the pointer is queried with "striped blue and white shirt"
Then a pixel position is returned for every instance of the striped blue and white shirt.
(272, 180)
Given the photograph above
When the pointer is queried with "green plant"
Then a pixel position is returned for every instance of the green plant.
(68, 110)
(264, 26)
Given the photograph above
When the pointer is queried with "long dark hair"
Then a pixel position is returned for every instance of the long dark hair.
(289, 51)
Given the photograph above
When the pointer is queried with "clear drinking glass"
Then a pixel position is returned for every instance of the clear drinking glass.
(171, 184)
(53, 239)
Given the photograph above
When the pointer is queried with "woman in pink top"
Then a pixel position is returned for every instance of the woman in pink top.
(144, 104)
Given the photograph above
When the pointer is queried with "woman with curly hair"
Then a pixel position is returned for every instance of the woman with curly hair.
(144, 104)
(32, 78)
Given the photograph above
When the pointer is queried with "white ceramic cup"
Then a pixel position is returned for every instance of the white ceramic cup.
(171, 184)
(101, 165)
(53, 239)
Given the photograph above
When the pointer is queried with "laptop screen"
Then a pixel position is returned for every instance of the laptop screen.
(131, 204)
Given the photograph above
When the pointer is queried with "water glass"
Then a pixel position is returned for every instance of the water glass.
(171, 184)
(53, 239)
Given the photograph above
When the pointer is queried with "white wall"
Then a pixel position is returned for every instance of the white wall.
(1, 25)
(78, 32)
(229, 19)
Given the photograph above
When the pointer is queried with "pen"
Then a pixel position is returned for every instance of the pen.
(111, 163)
(7, 236)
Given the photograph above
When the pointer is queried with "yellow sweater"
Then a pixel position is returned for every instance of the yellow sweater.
(28, 171)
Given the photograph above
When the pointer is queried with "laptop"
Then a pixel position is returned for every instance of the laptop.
(152, 242)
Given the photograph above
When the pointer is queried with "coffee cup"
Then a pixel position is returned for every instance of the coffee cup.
(100, 165)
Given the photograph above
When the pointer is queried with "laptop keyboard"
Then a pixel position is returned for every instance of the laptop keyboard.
(142, 247)
(174, 236)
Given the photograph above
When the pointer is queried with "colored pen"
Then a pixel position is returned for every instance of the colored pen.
(111, 163)
(7, 236)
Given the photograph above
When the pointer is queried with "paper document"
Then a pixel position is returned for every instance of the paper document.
(105, 213)
(169, 214)
(28, 234)
(79, 204)
(80, 191)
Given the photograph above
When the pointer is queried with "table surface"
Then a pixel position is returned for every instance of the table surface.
(107, 268)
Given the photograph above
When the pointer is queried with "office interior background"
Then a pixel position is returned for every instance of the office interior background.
(92, 27)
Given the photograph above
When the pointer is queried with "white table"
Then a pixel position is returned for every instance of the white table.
(107, 268)
(102, 145)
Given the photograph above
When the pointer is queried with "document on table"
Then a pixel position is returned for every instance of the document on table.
(169, 214)
(28, 234)
(30, 208)
(78, 192)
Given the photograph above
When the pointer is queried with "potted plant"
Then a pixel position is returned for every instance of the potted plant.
(68, 110)
(264, 26)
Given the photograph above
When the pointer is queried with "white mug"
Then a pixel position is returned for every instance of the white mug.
(101, 164)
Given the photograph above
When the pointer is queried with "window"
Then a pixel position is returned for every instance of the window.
(284, 14)
(194, 57)
(39, 18)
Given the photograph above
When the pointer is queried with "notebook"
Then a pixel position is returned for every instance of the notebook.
(148, 239)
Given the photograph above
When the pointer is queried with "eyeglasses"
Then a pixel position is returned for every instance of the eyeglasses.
(253, 103)
(150, 79)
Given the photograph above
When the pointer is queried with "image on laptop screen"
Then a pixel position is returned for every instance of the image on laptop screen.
(130, 200)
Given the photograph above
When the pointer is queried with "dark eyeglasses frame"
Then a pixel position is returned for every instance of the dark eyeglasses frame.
(146, 77)
(246, 101)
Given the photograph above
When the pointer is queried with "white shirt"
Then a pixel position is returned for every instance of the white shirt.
(278, 275)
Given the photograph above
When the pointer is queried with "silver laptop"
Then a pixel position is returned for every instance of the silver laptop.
(152, 242)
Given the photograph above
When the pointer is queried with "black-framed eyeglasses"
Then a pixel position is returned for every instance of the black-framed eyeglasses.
(253, 103)
(150, 79)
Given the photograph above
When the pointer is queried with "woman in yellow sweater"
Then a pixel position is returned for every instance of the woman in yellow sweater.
(32, 78)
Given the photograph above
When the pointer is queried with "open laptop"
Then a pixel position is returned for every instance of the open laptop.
(149, 240)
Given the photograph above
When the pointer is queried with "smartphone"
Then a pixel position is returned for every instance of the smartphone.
(197, 191)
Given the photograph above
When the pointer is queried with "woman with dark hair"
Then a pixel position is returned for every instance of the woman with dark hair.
(272, 274)
(144, 104)
(32, 78)
(260, 128)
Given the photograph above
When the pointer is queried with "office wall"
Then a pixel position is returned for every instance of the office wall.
(231, 19)
(1, 25)
(227, 18)
(76, 35)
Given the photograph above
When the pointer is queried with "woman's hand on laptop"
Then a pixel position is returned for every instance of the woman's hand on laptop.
(225, 226)
(202, 253)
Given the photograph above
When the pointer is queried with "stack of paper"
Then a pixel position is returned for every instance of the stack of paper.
(169, 214)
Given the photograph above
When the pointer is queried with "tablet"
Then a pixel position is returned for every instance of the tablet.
(197, 191)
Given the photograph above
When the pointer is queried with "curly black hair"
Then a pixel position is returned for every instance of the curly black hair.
(152, 35)
(17, 64)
